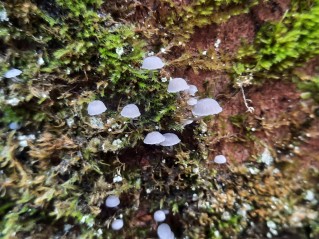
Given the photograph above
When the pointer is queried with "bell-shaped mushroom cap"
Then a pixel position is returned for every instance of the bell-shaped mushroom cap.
(192, 101)
(117, 224)
(96, 107)
(164, 231)
(152, 63)
(192, 90)
(159, 216)
(206, 107)
(112, 201)
(154, 137)
(220, 159)
(12, 73)
(14, 125)
(176, 85)
(130, 111)
(170, 139)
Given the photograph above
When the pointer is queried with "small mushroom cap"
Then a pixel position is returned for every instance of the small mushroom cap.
(12, 73)
(192, 101)
(152, 63)
(130, 111)
(220, 159)
(187, 122)
(176, 85)
(170, 139)
(117, 224)
(96, 107)
(14, 125)
(159, 216)
(192, 90)
(154, 137)
(112, 201)
(164, 231)
(205, 107)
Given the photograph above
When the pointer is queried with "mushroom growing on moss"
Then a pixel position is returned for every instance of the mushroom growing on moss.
(159, 216)
(117, 224)
(192, 90)
(205, 107)
(12, 73)
(96, 107)
(192, 101)
(170, 139)
(130, 111)
(112, 201)
(164, 231)
(152, 63)
(154, 137)
(176, 85)
(220, 159)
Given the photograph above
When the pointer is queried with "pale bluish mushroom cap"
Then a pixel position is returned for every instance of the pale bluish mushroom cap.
(14, 126)
(170, 139)
(206, 107)
(117, 224)
(220, 159)
(159, 216)
(187, 122)
(96, 107)
(154, 137)
(130, 111)
(12, 73)
(112, 201)
(192, 90)
(192, 101)
(164, 231)
(176, 85)
(152, 63)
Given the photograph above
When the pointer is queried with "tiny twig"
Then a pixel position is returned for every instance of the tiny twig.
(250, 109)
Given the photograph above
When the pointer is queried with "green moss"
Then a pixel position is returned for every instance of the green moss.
(310, 89)
(281, 46)
(183, 18)
(64, 176)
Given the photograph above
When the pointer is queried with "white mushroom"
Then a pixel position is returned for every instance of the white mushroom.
(159, 216)
(192, 101)
(96, 107)
(187, 121)
(176, 85)
(205, 107)
(164, 231)
(220, 159)
(154, 137)
(14, 126)
(12, 73)
(117, 224)
(192, 90)
(170, 139)
(112, 201)
(152, 63)
(130, 111)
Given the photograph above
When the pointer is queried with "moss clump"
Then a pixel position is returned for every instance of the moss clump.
(60, 166)
(282, 45)
(183, 18)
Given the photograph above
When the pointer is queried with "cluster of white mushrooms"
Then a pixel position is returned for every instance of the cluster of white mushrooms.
(163, 230)
(97, 107)
(113, 201)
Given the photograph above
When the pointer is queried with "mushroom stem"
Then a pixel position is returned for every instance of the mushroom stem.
(16, 80)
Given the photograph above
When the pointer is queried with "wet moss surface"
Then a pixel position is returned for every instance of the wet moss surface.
(258, 59)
